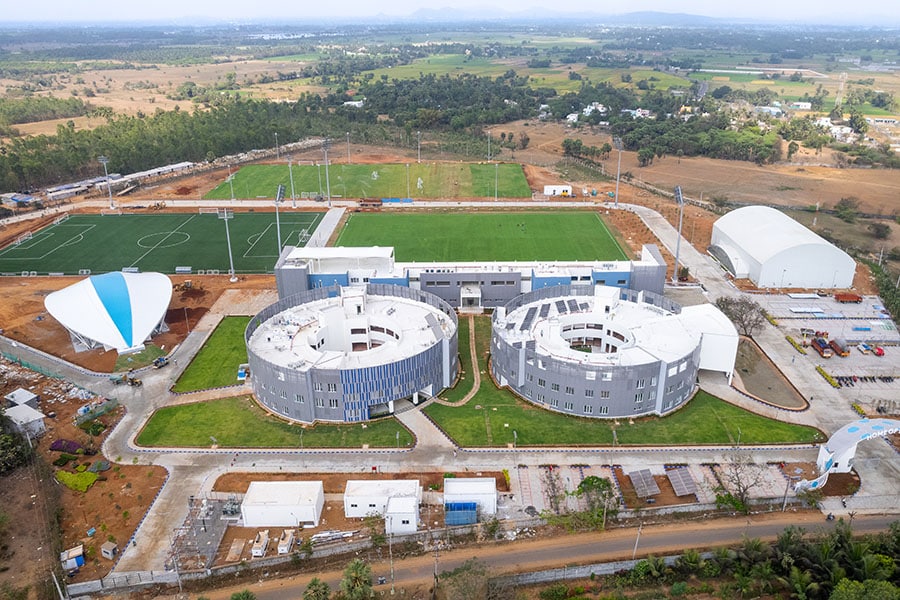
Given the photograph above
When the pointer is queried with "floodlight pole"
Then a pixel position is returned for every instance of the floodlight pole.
(679, 198)
(231, 182)
(348, 147)
(617, 143)
(407, 180)
(278, 225)
(489, 145)
(291, 174)
(327, 179)
(277, 149)
(496, 181)
(391, 549)
(103, 160)
(225, 215)
(418, 146)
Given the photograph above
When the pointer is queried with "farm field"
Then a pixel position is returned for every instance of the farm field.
(161, 242)
(484, 236)
(416, 180)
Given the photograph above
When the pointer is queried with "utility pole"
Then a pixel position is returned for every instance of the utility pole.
(679, 198)
(617, 144)
(103, 160)
(327, 179)
(418, 146)
(348, 147)
(291, 174)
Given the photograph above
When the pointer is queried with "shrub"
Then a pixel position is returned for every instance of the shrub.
(80, 482)
(67, 446)
(794, 343)
(858, 409)
(821, 370)
(64, 459)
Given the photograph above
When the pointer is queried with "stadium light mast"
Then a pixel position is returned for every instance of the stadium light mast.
(496, 181)
(291, 175)
(489, 145)
(277, 149)
(103, 160)
(407, 180)
(348, 147)
(327, 179)
(231, 182)
(617, 144)
(227, 214)
(418, 146)
(279, 196)
(679, 198)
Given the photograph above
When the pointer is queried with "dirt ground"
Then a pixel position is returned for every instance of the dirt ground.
(23, 317)
(665, 497)
(113, 506)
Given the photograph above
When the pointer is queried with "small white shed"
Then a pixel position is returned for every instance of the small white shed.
(480, 490)
(283, 504)
(558, 190)
(19, 397)
(28, 421)
(401, 515)
(367, 497)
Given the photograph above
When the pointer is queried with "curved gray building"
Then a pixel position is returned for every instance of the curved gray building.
(607, 352)
(348, 354)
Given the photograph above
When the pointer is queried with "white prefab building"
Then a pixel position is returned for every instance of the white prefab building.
(370, 497)
(401, 515)
(480, 490)
(20, 396)
(28, 421)
(775, 251)
(557, 190)
(283, 504)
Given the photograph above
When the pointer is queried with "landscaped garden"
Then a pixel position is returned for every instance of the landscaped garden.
(216, 365)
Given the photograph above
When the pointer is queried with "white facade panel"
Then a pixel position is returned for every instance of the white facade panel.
(401, 515)
(370, 497)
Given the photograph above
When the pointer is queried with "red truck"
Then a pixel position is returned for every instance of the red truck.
(848, 298)
(822, 347)
(840, 347)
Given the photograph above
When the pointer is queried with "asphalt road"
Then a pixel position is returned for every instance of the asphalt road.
(577, 549)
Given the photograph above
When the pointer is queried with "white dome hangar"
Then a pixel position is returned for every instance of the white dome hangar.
(607, 352)
(348, 354)
(773, 250)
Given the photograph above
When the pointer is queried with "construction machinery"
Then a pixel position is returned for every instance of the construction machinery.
(118, 378)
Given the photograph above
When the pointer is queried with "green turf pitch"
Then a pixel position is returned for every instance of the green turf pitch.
(484, 236)
(159, 242)
(425, 180)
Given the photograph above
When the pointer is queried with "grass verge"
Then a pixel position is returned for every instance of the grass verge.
(217, 362)
(239, 422)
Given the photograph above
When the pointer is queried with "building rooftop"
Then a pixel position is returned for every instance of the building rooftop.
(283, 493)
(350, 331)
(640, 332)
(392, 488)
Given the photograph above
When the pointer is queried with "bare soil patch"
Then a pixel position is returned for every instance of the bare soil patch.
(335, 483)
(838, 484)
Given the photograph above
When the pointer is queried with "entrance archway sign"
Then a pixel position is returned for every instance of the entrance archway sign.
(836, 455)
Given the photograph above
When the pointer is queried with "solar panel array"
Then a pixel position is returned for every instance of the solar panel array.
(529, 318)
(643, 482)
(573, 305)
(561, 307)
(545, 310)
(584, 306)
(682, 482)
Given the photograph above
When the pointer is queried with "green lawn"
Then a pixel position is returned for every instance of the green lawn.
(416, 180)
(217, 363)
(491, 417)
(484, 236)
(241, 423)
(466, 379)
(157, 242)
(136, 360)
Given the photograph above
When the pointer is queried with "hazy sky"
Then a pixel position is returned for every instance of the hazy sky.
(797, 11)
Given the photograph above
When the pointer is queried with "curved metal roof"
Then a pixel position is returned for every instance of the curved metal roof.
(118, 310)
(764, 232)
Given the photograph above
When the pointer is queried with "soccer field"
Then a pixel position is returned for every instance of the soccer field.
(161, 242)
(425, 180)
(485, 236)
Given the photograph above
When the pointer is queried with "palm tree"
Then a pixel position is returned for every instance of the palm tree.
(317, 590)
(243, 595)
(725, 558)
(690, 563)
(763, 574)
(800, 583)
(357, 581)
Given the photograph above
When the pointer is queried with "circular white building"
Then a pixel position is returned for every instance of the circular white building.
(348, 354)
(775, 251)
(607, 352)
